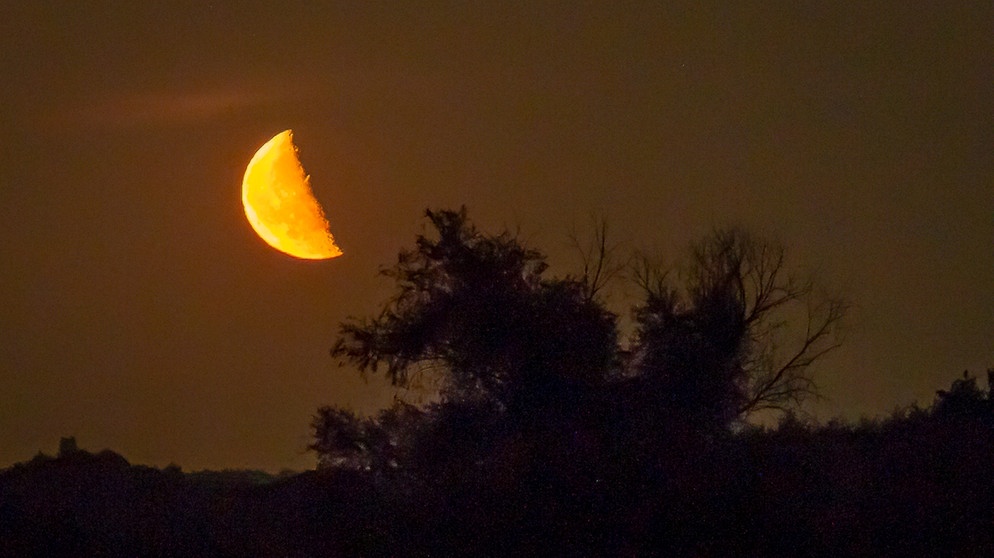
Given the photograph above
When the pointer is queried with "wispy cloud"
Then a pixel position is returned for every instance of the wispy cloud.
(165, 108)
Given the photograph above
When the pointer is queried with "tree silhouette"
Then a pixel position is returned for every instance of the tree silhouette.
(964, 399)
(507, 344)
(721, 346)
(476, 309)
(475, 312)
(601, 262)
(344, 440)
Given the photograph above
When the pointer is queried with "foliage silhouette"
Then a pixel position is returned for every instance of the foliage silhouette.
(532, 450)
(517, 352)
(382, 442)
(723, 345)
(595, 477)
(477, 308)
(965, 400)
(513, 350)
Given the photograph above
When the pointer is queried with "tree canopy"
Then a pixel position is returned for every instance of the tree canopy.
(730, 333)
(738, 335)
(477, 309)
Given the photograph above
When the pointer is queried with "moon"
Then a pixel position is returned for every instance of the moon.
(280, 204)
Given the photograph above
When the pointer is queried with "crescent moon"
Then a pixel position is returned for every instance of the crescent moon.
(280, 205)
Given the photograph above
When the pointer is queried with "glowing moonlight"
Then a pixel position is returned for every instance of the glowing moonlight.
(280, 204)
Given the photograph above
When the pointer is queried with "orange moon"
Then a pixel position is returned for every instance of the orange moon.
(280, 204)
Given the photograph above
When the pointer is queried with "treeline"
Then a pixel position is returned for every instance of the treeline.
(551, 435)
(729, 332)
(916, 483)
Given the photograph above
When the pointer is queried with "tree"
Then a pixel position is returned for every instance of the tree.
(721, 347)
(600, 261)
(68, 447)
(513, 350)
(964, 399)
(344, 440)
(476, 309)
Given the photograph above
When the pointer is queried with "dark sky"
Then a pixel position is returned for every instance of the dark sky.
(141, 312)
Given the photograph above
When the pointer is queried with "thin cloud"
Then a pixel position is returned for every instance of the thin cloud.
(165, 108)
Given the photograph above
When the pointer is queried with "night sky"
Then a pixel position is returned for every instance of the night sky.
(141, 312)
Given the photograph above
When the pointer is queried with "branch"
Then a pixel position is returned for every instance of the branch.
(788, 381)
(598, 258)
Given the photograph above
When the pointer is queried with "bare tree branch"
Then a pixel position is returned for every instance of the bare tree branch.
(599, 260)
(742, 305)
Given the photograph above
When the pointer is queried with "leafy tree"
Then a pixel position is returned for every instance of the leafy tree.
(476, 309)
(68, 447)
(964, 399)
(510, 348)
(341, 439)
(720, 347)
(515, 351)
(382, 442)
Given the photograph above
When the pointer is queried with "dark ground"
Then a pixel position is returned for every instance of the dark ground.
(917, 484)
